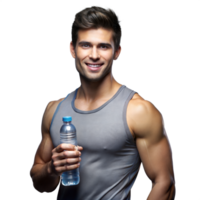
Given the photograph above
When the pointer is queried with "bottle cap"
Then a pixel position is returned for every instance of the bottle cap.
(67, 119)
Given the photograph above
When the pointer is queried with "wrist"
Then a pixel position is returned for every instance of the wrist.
(50, 170)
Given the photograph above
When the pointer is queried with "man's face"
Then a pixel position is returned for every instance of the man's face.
(94, 53)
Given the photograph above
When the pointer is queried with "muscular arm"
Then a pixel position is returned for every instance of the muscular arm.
(41, 173)
(146, 124)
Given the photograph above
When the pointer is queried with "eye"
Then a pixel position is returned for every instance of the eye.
(104, 46)
(85, 45)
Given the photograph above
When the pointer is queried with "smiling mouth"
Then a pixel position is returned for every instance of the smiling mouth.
(95, 65)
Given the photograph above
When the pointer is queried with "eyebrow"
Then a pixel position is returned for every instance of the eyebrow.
(102, 43)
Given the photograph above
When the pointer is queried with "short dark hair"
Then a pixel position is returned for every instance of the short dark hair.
(96, 17)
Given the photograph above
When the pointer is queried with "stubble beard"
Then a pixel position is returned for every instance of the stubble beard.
(84, 76)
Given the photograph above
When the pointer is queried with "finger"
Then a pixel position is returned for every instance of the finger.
(66, 167)
(63, 146)
(80, 148)
(68, 161)
(71, 154)
(71, 167)
(71, 161)
(76, 148)
(68, 147)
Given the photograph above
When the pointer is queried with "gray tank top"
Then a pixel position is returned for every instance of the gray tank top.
(110, 160)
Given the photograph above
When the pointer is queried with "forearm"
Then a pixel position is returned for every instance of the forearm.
(162, 191)
(43, 178)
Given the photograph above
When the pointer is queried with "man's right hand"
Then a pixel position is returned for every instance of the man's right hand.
(65, 157)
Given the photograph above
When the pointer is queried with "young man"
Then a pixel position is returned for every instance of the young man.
(116, 128)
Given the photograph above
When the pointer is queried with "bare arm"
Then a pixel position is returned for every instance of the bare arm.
(147, 126)
(41, 173)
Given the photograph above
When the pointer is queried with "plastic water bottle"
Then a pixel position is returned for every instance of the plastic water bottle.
(68, 136)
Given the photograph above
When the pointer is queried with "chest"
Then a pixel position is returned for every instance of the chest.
(131, 116)
(89, 105)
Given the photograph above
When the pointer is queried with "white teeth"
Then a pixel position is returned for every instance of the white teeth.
(94, 65)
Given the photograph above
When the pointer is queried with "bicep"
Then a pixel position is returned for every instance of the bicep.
(44, 151)
(43, 154)
(156, 159)
(152, 143)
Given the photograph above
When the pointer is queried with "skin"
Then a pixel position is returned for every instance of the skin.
(96, 46)
(99, 86)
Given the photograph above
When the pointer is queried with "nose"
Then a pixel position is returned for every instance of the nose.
(94, 55)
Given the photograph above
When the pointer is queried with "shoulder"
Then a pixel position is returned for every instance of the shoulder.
(52, 105)
(142, 117)
(57, 101)
(51, 108)
(139, 107)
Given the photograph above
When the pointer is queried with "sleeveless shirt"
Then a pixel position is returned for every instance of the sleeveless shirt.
(109, 160)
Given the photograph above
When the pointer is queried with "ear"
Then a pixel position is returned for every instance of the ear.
(117, 52)
(72, 50)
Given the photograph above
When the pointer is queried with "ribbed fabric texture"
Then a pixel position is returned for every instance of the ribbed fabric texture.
(110, 160)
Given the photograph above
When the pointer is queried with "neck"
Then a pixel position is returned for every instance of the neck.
(92, 90)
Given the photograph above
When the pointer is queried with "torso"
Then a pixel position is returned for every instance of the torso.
(130, 114)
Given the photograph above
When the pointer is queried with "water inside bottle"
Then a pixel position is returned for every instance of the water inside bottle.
(70, 177)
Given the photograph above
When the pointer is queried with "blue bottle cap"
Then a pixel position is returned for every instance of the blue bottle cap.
(67, 119)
